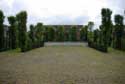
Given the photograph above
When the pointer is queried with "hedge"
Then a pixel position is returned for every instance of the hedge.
(96, 46)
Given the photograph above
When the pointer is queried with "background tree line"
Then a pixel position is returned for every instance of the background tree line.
(61, 34)
(17, 36)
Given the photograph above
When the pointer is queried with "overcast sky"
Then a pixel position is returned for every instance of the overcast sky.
(62, 11)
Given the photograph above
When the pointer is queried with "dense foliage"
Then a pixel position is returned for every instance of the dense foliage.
(22, 20)
(107, 35)
(119, 32)
(1, 31)
(12, 32)
(84, 33)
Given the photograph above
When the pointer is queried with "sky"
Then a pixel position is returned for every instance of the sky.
(68, 12)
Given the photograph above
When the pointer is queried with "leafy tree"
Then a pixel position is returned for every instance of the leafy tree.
(83, 33)
(73, 34)
(29, 42)
(32, 37)
(96, 35)
(22, 20)
(61, 35)
(51, 33)
(66, 35)
(106, 26)
(119, 30)
(1, 30)
(12, 32)
(32, 33)
(39, 34)
(46, 33)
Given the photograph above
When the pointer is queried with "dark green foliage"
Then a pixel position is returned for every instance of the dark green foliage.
(106, 27)
(32, 37)
(45, 34)
(35, 36)
(12, 32)
(123, 43)
(39, 35)
(66, 35)
(83, 33)
(32, 33)
(22, 20)
(29, 45)
(60, 33)
(1, 31)
(73, 34)
(97, 46)
(51, 33)
(102, 39)
(118, 32)
(96, 35)
(99, 39)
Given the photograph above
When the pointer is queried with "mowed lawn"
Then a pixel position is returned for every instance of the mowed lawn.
(62, 65)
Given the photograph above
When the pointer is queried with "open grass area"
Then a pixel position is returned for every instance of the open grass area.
(62, 65)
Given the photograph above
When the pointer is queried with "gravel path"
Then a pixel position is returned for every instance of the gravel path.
(62, 65)
(65, 44)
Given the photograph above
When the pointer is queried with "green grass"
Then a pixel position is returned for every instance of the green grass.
(62, 65)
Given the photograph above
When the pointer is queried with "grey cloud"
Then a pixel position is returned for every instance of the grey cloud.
(60, 19)
(117, 6)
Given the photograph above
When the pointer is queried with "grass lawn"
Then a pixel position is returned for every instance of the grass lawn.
(62, 65)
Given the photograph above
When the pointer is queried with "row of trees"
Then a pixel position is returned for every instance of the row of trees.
(109, 35)
(16, 34)
(60, 33)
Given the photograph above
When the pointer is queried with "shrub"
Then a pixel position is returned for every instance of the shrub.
(123, 44)
(97, 46)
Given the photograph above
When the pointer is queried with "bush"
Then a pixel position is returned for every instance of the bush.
(123, 44)
(97, 46)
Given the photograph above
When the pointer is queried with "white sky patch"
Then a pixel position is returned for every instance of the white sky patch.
(61, 11)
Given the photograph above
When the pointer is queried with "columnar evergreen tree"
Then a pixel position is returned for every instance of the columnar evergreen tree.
(96, 35)
(61, 35)
(82, 36)
(32, 36)
(83, 33)
(104, 34)
(106, 26)
(32, 33)
(39, 34)
(12, 32)
(66, 35)
(22, 20)
(119, 30)
(1, 30)
(101, 35)
(90, 30)
(51, 33)
(73, 34)
(45, 33)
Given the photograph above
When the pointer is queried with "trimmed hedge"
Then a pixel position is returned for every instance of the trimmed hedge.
(96, 46)
(31, 45)
(123, 44)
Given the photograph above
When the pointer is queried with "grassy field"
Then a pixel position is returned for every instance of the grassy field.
(62, 65)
